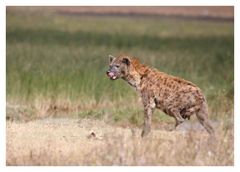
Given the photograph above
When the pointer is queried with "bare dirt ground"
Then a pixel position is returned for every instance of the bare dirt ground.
(226, 11)
(198, 12)
(187, 12)
(92, 142)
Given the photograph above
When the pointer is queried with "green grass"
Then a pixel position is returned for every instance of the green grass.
(57, 57)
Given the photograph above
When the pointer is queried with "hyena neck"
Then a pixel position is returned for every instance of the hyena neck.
(136, 73)
(133, 80)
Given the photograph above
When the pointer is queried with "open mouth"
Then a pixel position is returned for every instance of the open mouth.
(112, 75)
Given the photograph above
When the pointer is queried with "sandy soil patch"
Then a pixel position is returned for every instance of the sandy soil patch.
(91, 142)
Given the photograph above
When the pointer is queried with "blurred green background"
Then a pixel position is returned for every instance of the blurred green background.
(56, 62)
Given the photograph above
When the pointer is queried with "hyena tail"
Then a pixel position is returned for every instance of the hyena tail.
(202, 116)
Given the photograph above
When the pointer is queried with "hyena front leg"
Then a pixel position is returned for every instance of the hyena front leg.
(148, 111)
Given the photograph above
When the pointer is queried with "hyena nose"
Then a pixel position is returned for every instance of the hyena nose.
(107, 72)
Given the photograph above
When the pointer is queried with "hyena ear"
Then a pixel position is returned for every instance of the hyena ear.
(126, 61)
(111, 58)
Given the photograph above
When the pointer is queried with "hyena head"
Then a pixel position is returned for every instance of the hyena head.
(118, 67)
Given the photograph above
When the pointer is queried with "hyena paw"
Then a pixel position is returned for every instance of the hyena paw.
(145, 132)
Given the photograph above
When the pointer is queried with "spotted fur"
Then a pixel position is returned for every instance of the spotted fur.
(173, 95)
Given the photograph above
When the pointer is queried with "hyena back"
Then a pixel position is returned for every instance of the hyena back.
(174, 96)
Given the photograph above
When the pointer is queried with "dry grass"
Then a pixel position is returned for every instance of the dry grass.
(93, 142)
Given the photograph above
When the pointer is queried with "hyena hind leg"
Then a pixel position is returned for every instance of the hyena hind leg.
(202, 116)
(186, 113)
(177, 116)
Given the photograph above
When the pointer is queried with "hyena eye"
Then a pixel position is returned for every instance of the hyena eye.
(117, 66)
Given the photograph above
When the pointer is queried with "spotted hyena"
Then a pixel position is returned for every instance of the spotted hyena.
(174, 96)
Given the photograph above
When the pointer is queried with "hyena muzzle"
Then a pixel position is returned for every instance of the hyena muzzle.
(174, 96)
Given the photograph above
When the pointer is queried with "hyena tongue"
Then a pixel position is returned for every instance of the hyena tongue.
(111, 74)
